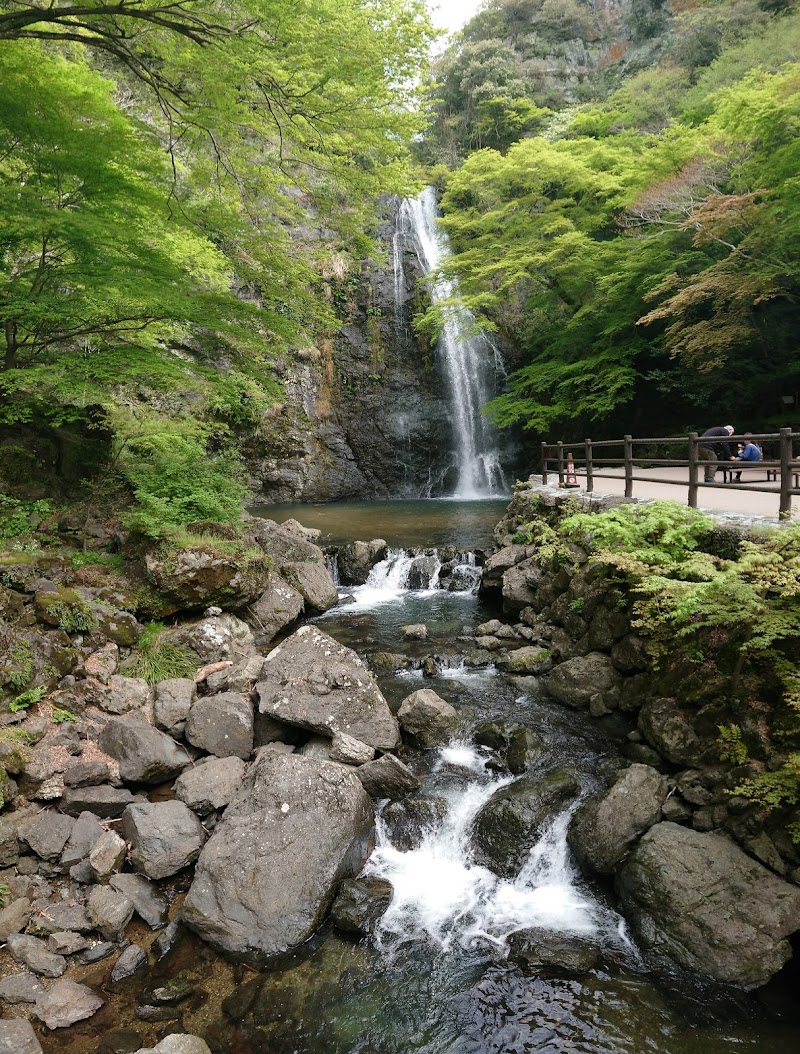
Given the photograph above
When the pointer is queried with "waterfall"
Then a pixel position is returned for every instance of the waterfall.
(469, 358)
(405, 571)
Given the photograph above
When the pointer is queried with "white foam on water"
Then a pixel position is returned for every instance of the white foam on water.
(442, 896)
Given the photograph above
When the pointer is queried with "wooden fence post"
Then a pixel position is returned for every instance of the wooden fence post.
(589, 467)
(693, 470)
(628, 466)
(545, 456)
(560, 463)
(785, 509)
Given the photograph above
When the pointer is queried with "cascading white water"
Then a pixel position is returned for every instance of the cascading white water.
(392, 578)
(468, 357)
(442, 896)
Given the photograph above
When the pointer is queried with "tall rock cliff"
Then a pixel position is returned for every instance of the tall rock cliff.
(365, 413)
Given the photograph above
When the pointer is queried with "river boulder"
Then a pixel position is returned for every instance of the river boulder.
(165, 837)
(277, 607)
(578, 680)
(668, 729)
(313, 682)
(222, 724)
(201, 575)
(427, 718)
(508, 826)
(145, 755)
(604, 828)
(267, 876)
(700, 900)
(313, 582)
(356, 560)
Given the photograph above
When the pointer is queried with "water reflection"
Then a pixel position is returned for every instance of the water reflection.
(463, 524)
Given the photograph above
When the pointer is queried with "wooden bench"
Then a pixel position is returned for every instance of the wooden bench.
(754, 470)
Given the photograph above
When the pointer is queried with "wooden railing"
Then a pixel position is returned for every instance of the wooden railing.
(783, 468)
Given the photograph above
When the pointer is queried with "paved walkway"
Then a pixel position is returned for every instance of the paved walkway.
(718, 499)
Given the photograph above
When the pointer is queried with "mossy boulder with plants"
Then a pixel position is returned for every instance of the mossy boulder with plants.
(191, 572)
(8, 788)
(66, 609)
(32, 660)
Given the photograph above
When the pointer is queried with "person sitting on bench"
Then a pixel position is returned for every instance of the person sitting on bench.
(751, 453)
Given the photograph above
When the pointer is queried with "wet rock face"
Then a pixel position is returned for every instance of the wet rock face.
(512, 821)
(700, 900)
(378, 425)
(360, 905)
(543, 953)
(313, 682)
(268, 873)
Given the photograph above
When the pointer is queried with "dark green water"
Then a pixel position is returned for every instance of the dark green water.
(464, 524)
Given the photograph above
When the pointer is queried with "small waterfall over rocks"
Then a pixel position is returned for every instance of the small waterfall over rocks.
(414, 570)
(470, 362)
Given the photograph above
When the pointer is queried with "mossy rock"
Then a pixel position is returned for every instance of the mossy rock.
(32, 657)
(14, 750)
(8, 788)
(66, 609)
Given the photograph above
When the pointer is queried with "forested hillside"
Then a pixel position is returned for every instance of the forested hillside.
(177, 181)
(621, 188)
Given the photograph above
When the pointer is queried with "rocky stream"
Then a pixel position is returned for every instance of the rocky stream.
(413, 798)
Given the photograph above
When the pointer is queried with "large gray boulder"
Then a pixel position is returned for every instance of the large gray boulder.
(427, 718)
(277, 607)
(222, 725)
(211, 785)
(216, 638)
(604, 828)
(165, 837)
(174, 700)
(200, 576)
(314, 682)
(268, 874)
(508, 826)
(357, 559)
(313, 582)
(47, 834)
(669, 730)
(284, 542)
(700, 900)
(66, 1002)
(387, 777)
(145, 755)
(520, 586)
(17, 1037)
(576, 681)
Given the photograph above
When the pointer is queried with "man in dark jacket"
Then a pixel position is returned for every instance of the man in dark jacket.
(712, 451)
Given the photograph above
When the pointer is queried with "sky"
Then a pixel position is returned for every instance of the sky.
(452, 14)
